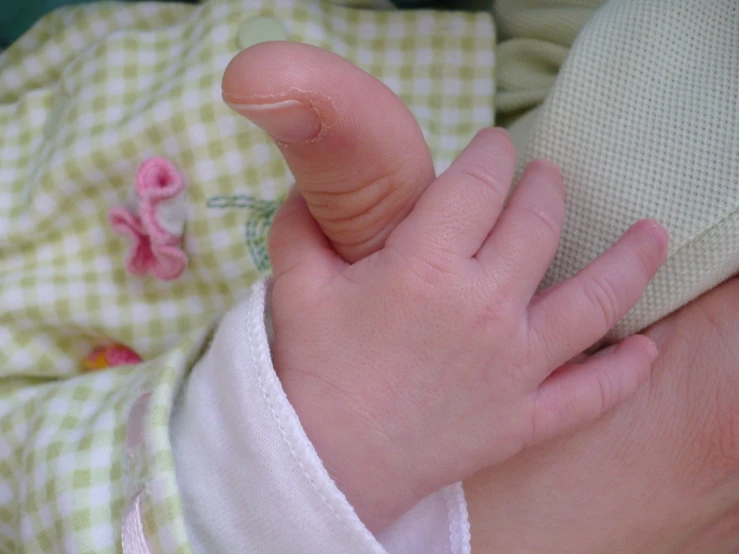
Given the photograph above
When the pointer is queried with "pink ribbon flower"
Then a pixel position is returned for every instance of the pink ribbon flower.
(154, 221)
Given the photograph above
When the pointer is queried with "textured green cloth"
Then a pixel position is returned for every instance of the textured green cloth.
(535, 38)
(643, 120)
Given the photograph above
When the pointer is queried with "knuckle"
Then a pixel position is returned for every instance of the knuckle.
(484, 174)
(548, 417)
(497, 310)
(603, 294)
(354, 217)
(428, 271)
(545, 345)
(546, 224)
(493, 306)
(610, 390)
(644, 261)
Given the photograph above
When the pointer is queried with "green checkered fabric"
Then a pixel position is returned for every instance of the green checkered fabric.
(86, 96)
(67, 475)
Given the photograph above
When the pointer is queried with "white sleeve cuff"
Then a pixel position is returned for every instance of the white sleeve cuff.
(251, 481)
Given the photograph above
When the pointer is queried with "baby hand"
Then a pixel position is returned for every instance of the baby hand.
(435, 357)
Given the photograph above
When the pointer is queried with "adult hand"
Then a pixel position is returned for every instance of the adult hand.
(658, 475)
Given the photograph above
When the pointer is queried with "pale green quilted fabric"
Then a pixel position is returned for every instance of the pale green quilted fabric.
(643, 119)
(637, 102)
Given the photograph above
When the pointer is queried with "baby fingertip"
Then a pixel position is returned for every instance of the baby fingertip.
(652, 350)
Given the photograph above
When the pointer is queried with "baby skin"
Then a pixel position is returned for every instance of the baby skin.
(410, 335)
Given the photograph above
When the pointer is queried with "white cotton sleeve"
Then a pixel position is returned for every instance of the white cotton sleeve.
(251, 481)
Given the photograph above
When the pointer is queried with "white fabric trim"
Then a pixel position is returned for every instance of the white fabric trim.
(252, 482)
